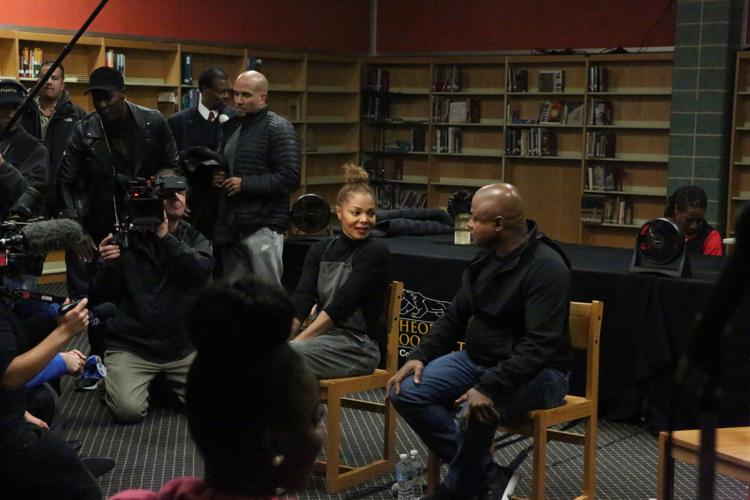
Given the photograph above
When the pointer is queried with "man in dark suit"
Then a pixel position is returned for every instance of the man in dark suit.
(201, 125)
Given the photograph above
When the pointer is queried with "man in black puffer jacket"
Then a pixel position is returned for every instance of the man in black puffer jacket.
(263, 158)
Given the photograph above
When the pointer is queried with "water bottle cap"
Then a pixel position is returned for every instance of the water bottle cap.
(402, 456)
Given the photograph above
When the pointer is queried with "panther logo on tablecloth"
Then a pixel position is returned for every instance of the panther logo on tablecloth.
(418, 307)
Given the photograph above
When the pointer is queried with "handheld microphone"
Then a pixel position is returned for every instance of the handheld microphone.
(97, 315)
(43, 236)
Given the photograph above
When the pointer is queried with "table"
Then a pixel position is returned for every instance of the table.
(732, 455)
(646, 317)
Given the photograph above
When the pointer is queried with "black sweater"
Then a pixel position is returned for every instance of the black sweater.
(514, 318)
(366, 287)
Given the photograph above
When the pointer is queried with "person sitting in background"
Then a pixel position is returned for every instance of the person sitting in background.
(346, 278)
(687, 207)
(257, 439)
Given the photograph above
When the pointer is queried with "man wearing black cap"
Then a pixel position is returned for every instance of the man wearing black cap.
(23, 159)
(120, 140)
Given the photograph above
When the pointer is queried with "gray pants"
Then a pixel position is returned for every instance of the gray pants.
(339, 353)
(128, 377)
(258, 254)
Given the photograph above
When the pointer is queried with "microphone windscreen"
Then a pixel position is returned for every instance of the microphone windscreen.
(105, 310)
(56, 234)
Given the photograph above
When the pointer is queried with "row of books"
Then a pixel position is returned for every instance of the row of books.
(600, 145)
(447, 79)
(115, 60)
(604, 178)
(30, 62)
(530, 142)
(518, 80)
(446, 110)
(447, 140)
(603, 209)
(598, 79)
(569, 113)
(190, 99)
(186, 69)
(377, 79)
(376, 108)
(600, 112)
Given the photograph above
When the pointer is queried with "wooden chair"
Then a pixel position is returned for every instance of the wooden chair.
(334, 391)
(585, 328)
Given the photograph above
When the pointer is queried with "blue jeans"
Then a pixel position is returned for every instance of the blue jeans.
(428, 408)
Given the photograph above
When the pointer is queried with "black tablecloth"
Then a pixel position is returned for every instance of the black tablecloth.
(646, 317)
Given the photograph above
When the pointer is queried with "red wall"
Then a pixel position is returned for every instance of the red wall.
(476, 25)
(329, 25)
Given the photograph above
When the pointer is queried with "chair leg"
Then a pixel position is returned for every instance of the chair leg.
(333, 426)
(389, 433)
(433, 472)
(540, 461)
(589, 458)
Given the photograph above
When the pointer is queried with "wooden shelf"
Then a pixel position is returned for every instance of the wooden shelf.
(467, 152)
(633, 125)
(640, 191)
(632, 158)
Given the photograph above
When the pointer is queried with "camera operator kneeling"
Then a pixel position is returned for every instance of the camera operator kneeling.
(151, 282)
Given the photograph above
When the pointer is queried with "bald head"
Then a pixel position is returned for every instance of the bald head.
(501, 200)
(250, 92)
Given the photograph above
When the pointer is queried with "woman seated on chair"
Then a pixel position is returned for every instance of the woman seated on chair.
(687, 207)
(346, 278)
(252, 404)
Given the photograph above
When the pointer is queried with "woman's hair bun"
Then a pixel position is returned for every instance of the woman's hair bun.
(354, 174)
(247, 318)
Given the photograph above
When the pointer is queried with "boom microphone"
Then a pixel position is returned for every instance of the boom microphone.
(55, 234)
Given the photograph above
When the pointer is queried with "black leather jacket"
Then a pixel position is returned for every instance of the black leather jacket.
(86, 179)
(267, 159)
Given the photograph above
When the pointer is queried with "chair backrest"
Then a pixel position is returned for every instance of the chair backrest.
(585, 326)
(396, 292)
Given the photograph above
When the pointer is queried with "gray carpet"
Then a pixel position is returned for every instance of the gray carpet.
(151, 453)
(160, 448)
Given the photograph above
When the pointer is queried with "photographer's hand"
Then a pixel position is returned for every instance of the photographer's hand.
(75, 321)
(86, 248)
(163, 229)
(108, 249)
(233, 185)
(219, 178)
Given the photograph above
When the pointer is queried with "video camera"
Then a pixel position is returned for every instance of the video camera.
(142, 203)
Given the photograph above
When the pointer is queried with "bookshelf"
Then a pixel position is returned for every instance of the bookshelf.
(395, 128)
(628, 100)
(739, 166)
(331, 122)
(151, 71)
(535, 136)
(84, 58)
(545, 109)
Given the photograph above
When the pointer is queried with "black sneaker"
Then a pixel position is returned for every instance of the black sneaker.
(501, 485)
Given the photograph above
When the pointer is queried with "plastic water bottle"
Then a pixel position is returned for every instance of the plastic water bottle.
(417, 468)
(404, 478)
